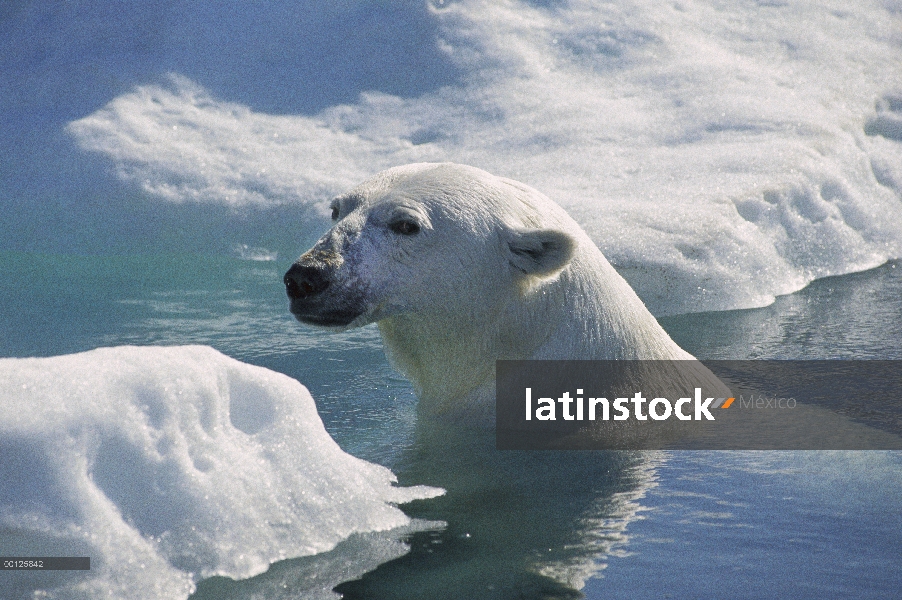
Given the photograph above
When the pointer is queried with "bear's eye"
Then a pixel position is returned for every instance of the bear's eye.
(335, 212)
(405, 227)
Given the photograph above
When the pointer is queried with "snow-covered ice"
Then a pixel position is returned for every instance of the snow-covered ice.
(719, 153)
(166, 465)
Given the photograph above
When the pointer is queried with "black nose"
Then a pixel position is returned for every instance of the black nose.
(303, 281)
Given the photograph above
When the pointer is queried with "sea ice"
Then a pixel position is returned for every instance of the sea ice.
(719, 154)
(165, 465)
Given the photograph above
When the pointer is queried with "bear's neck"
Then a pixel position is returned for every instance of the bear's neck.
(588, 312)
(602, 318)
(447, 359)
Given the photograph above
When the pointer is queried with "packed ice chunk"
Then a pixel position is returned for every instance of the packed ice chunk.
(165, 465)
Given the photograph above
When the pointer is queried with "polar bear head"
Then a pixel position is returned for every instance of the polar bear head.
(438, 241)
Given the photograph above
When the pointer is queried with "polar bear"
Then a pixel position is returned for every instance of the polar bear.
(460, 268)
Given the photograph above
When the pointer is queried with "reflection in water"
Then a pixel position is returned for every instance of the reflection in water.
(314, 577)
(519, 524)
(530, 525)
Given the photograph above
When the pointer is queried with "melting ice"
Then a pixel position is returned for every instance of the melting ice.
(165, 465)
(719, 154)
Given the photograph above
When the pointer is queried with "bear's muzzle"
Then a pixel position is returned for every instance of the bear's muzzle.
(313, 297)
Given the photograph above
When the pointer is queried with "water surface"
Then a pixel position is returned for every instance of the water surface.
(524, 525)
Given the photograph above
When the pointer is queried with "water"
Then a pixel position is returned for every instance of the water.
(531, 525)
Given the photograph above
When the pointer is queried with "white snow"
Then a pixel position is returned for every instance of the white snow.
(170, 464)
(719, 153)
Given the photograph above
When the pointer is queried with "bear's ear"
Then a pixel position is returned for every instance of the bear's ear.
(540, 252)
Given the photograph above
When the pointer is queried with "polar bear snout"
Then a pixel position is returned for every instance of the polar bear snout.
(317, 295)
(304, 280)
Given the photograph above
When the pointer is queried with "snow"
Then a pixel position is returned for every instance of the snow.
(720, 154)
(170, 464)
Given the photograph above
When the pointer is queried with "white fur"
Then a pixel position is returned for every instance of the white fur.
(496, 271)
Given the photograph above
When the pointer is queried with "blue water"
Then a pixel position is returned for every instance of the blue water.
(524, 525)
